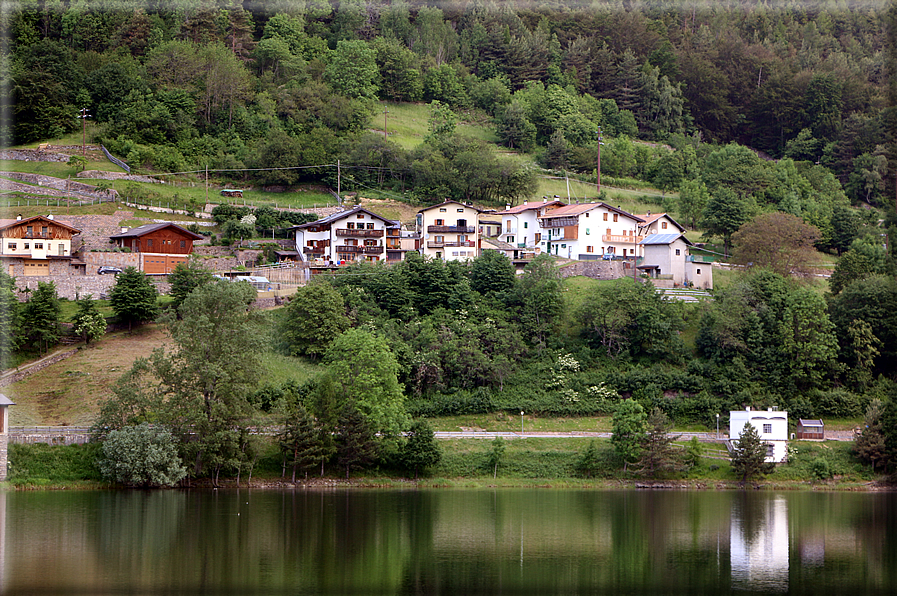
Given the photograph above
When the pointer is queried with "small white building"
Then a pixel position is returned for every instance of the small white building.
(771, 425)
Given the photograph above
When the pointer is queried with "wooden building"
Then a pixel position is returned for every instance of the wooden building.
(810, 430)
(28, 245)
(163, 245)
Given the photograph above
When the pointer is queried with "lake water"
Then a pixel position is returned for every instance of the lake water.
(447, 541)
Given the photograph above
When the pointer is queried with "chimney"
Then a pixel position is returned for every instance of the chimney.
(50, 216)
(525, 202)
(19, 217)
(124, 229)
(747, 409)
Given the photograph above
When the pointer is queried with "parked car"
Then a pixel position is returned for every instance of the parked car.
(107, 269)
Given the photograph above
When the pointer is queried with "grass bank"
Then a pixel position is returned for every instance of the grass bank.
(466, 463)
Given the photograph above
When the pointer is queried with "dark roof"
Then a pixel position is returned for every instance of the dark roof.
(477, 209)
(8, 223)
(148, 228)
(810, 422)
(5, 401)
(578, 209)
(343, 214)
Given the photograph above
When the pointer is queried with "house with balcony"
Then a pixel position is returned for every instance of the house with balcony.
(347, 237)
(520, 225)
(36, 246)
(589, 231)
(659, 223)
(667, 258)
(162, 246)
(449, 231)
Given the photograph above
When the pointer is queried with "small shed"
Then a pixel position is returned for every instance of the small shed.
(232, 192)
(813, 430)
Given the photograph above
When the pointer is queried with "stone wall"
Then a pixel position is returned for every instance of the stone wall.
(70, 287)
(594, 269)
(9, 379)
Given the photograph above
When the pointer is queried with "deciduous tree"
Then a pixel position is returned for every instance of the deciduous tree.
(144, 455)
(776, 241)
(315, 316)
(629, 426)
(88, 322)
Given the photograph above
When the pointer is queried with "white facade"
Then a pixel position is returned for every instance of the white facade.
(520, 225)
(589, 230)
(355, 235)
(771, 425)
(448, 231)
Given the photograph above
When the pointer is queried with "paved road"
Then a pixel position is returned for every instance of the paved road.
(484, 434)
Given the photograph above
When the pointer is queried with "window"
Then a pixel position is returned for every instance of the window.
(525, 225)
(442, 209)
(44, 230)
(350, 225)
(589, 249)
(440, 222)
(461, 210)
(563, 246)
(588, 231)
(605, 217)
(27, 246)
(698, 272)
(38, 246)
(770, 451)
(440, 239)
(370, 226)
(767, 429)
(29, 230)
(608, 231)
(462, 238)
(663, 225)
(616, 217)
(359, 216)
(510, 239)
(587, 213)
(678, 252)
(12, 246)
(183, 244)
(149, 243)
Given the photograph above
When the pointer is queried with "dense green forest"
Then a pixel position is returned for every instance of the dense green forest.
(185, 85)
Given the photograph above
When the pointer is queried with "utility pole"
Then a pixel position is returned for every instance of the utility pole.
(599, 161)
(84, 115)
(385, 112)
(339, 199)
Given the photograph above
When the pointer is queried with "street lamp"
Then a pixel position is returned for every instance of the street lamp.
(521, 422)
(717, 427)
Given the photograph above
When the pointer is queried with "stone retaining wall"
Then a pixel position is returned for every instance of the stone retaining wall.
(594, 269)
(18, 376)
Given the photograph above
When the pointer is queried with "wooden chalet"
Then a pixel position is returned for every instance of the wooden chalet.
(163, 245)
(29, 245)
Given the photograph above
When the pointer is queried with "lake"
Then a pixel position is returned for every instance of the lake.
(447, 541)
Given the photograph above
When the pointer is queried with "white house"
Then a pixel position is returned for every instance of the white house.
(520, 225)
(354, 235)
(587, 230)
(449, 231)
(666, 256)
(659, 223)
(771, 425)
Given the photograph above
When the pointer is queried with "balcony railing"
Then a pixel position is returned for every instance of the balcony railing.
(373, 250)
(360, 233)
(451, 229)
(313, 250)
(434, 244)
(37, 236)
(621, 239)
(347, 248)
(509, 231)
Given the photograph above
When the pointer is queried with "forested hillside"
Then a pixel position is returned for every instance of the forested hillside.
(250, 87)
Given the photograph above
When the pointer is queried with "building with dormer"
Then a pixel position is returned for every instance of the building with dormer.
(520, 225)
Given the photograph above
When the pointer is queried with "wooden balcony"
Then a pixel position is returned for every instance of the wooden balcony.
(373, 250)
(433, 244)
(349, 249)
(451, 229)
(341, 232)
(617, 239)
(313, 250)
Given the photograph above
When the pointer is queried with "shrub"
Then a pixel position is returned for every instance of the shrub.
(141, 455)
(40, 463)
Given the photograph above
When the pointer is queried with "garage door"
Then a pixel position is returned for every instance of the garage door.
(161, 264)
(37, 268)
